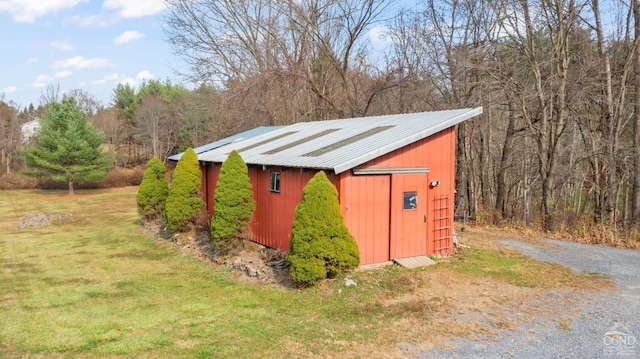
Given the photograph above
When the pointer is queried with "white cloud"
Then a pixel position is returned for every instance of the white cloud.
(132, 8)
(117, 78)
(145, 75)
(57, 75)
(79, 62)
(114, 77)
(128, 36)
(379, 34)
(62, 45)
(43, 80)
(29, 10)
(95, 20)
(32, 60)
(9, 89)
(61, 74)
(127, 81)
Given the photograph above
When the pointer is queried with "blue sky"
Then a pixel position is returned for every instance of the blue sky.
(81, 44)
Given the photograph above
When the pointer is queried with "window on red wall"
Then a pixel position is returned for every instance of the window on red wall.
(275, 182)
(410, 200)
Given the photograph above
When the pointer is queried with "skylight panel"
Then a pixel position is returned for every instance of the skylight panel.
(264, 142)
(300, 141)
(347, 141)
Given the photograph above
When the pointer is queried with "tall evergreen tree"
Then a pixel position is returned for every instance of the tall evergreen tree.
(126, 101)
(153, 191)
(67, 146)
(184, 202)
(234, 203)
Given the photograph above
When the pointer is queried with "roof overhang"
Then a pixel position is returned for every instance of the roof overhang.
(386, 171)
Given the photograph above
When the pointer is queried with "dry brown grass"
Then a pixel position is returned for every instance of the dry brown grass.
(580, 231)
(599, 234)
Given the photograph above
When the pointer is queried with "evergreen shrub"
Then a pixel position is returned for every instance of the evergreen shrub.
(233, 203)
(153, 191)
(183, 202)
(321, 245)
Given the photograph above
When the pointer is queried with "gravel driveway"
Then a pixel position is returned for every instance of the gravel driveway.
(602, 325)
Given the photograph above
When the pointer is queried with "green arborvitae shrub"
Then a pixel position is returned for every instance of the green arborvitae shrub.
(184, 202)
(153, 191)
(233, 203)
(321, 245)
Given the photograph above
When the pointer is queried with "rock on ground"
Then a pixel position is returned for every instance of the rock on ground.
(37, 220)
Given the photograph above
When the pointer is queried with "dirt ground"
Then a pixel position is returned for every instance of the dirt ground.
(252, 263)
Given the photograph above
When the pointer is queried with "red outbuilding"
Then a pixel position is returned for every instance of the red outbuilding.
(394, 175)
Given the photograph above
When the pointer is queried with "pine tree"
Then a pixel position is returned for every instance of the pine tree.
(184, 202)
(153, 191)
(321, 245)
(67, 146)
(233, 202)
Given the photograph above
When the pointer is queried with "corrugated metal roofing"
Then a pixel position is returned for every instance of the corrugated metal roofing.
(225, 141)
(339, 145)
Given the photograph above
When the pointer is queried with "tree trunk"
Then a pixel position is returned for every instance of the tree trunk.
(501, 185)
(465, 177)
(548, 204)
(610, 121)
(71, 186)
(635, 200)
(550, 120)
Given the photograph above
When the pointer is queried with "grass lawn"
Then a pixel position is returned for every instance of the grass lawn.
(97, 286)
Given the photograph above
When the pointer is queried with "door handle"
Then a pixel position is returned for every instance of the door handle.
(425, 218)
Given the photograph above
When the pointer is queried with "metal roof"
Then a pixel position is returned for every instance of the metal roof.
(339, 145)
(237, 137)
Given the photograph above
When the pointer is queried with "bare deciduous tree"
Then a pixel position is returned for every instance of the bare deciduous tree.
(85, 99)
(10, 135)
(635, 203)
(50, 94)
(543, 39)
(156, 127)
(311, 53)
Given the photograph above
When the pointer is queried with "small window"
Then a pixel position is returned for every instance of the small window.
(275, 182)
(410, 200)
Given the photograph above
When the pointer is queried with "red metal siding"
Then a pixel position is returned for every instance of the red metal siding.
(365, 200)
(209, 180)
(408, 226)
(442, 168)
(365, 208)
(275, 212)
(436, 152)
